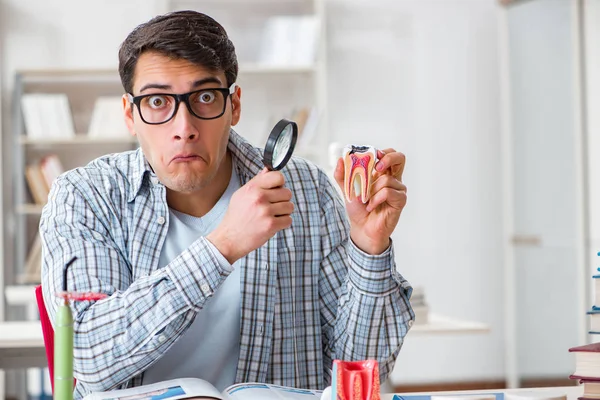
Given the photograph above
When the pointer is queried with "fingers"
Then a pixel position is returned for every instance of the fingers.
(391, 161)
(276, 195)
(281, 222)
(387, 181)
(269, 179)
(387, 189)
(281, 209)
(393, 197)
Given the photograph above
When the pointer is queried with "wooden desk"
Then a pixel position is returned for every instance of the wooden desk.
(21, 345)
(572, 392)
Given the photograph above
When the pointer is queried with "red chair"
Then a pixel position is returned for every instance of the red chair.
(48, 333)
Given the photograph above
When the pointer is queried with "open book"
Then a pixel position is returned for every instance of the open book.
(194, 388)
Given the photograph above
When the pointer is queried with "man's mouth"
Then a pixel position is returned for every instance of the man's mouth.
(185, 158)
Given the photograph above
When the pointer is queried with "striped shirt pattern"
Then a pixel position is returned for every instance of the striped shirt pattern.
(308, 296)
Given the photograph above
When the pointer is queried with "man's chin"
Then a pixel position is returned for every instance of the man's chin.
(186, 185)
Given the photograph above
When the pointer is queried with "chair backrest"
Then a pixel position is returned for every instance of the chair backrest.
(47, 331)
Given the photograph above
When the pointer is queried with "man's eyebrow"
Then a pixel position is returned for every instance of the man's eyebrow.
(155, 86)
(196, 84)
(204, 81)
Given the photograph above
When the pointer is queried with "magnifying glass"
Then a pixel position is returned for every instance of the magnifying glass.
(280, 144)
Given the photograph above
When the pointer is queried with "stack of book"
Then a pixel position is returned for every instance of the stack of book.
(47, 116)
(594, 312)
(587, 369)
(40, 175)
(587, 357)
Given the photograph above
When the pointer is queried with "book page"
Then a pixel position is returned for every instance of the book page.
(261, 391)
(187, 388)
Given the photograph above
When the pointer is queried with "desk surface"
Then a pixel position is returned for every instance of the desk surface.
(21, 345)
(572, 392)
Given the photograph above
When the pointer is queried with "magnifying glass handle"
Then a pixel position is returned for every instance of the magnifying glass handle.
(63, 353)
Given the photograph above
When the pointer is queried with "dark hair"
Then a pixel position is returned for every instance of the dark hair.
(187, 35)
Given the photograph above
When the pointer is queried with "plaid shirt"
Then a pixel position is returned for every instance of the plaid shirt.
(309, 296)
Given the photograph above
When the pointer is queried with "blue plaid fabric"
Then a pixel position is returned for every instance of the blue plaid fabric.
(309, 296)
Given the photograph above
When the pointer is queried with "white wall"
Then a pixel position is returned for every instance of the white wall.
(547, 190)
(418, 75)
(592, 71)
(422, 76)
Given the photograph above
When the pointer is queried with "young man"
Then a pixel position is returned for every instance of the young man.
(215, 267)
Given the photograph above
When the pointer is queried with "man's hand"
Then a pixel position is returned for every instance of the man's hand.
(372, 224)
(256, 212)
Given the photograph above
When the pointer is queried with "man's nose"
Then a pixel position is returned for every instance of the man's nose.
(183, 124)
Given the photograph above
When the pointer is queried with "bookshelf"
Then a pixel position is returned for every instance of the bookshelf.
(80, 89)
(73, 147)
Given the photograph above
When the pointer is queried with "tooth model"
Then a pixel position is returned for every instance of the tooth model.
(355, 380)
(359, 162)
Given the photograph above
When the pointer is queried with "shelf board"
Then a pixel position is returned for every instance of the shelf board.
(21, 345)
(20, 295)
(255, 68)
(78, 139)
(29, 209)
(438, 324)
(69, 76)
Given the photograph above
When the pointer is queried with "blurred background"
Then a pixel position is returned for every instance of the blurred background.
(493, 102)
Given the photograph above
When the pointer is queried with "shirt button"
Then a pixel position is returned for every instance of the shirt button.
(154, 180)
(266, 266)
(162, 338)
(410, 323)
(205, 288)
(260, 330)
(160, 220)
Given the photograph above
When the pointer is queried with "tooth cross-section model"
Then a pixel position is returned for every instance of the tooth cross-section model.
(356, 380)
(359, 162)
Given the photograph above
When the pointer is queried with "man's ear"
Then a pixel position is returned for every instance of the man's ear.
(236, 106)
(128, 114)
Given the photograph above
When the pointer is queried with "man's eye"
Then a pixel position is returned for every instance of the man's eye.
(156, 101)
(206, 97)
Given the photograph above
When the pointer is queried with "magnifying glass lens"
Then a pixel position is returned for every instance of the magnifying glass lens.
(280, 145)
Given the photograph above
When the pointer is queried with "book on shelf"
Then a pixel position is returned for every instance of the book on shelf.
(36, 183)
(40, 175)
(290, 41)
(33, 264)
(191, 388)
(308, 125)
(107, 118)
(47, 115)
(307, 119)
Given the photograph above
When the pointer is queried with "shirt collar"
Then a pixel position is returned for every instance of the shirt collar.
(246, 158)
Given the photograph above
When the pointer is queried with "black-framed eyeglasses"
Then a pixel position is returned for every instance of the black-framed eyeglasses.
(158, 108)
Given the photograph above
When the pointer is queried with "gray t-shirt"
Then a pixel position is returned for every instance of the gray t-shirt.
(209, 349)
